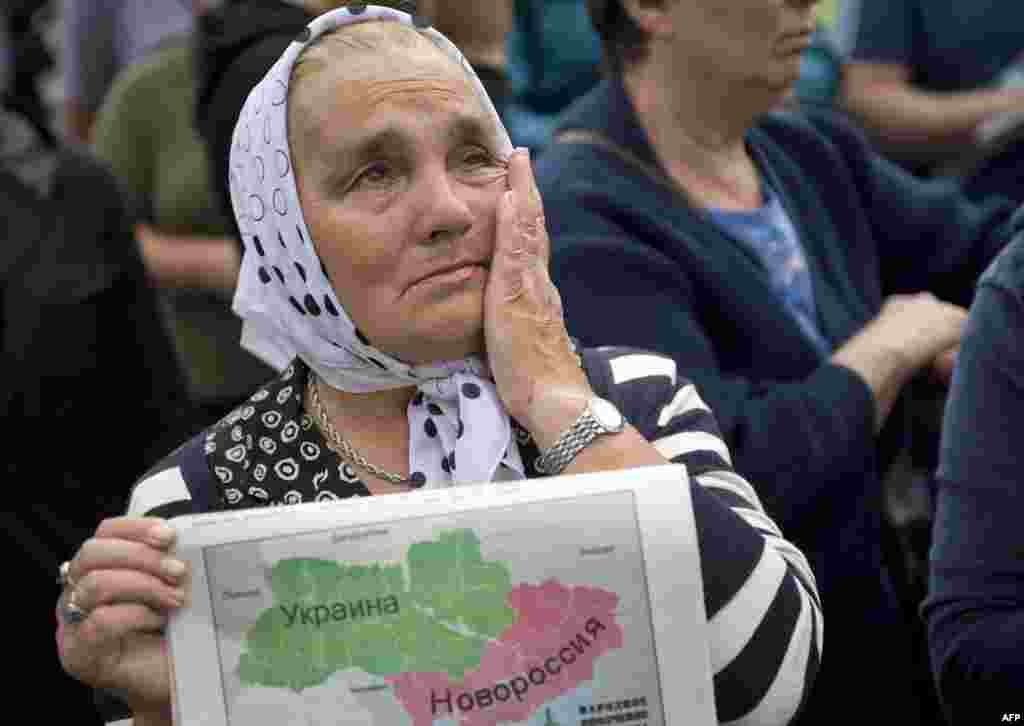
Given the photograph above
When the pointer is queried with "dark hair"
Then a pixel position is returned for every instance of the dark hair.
(624, 42)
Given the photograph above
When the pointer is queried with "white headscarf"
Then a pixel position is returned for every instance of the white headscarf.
(459, 430)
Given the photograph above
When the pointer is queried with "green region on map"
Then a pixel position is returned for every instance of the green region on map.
(446, 603)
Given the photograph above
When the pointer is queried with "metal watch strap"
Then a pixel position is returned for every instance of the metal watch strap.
(572, 441)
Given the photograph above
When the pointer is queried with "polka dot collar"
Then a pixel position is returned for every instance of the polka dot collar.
(270, 451)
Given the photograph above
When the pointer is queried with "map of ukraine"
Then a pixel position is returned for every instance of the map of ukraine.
(446, 629)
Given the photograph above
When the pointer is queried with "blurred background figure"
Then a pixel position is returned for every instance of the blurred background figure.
(975, 608)
(554, 57)
(807, 286)
(822, 70)
(480, 30)
(100, 38)
(927, 79)
(27, 59)
(145, 132)
(88, 368)
(6, 54)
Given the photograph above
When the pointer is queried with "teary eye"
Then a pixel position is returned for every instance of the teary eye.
(477, 156)
(376, 174)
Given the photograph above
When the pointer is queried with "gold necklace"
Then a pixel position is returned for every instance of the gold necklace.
(340, 444)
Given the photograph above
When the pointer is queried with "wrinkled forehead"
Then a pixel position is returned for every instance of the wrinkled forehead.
(375, 50)
(352, 77)
(345, 112)
(351, 88)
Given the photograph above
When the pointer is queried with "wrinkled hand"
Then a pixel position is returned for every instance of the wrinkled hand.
(124, 580)
(941, 371)
(536, 372)
(919, 327)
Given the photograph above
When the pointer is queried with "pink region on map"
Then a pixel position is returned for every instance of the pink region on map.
(549, 650)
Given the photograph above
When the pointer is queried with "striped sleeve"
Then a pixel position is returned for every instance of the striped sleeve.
(180, 484)
(761, 597)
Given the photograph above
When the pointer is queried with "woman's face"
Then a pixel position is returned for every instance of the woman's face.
(757, 42)
(399, 181)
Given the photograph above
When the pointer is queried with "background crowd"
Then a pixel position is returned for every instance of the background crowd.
(805, 241)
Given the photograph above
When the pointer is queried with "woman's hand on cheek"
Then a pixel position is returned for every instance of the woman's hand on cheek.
(535, 369)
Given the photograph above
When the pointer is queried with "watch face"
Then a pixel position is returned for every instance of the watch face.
(606, 414)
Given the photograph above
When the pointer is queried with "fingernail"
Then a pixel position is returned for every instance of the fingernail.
(172, 568)
(162, 535)
(524, 150)
(179, 597)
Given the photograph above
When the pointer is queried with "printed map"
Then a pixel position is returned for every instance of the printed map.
(529, 618)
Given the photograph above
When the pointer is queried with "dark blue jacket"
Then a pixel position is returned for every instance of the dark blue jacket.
(638, 265)
(975, 607)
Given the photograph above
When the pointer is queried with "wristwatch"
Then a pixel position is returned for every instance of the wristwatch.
(598, 418)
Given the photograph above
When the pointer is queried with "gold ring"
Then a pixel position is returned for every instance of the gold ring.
(70, 612)
(64, 575)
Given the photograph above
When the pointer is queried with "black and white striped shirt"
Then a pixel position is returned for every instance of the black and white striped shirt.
(760, 595)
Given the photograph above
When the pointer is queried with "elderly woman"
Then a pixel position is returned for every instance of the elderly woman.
(800, 281)
(396, 254)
